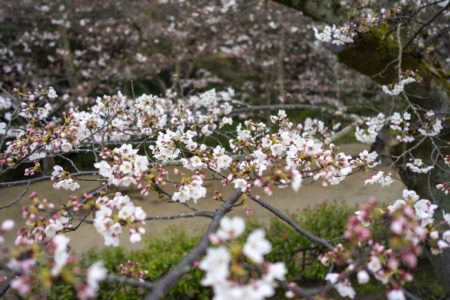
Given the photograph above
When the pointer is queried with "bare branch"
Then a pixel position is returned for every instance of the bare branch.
(183, 215)
(426, 24)
(18, 198)
(162, 285)
(42, 178)
(334, 112)
(292, 223)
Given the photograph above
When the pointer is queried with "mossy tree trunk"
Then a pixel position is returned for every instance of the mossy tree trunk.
(374, 54)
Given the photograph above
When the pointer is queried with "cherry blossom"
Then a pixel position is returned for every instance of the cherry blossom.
(230, 228)
(256, 246)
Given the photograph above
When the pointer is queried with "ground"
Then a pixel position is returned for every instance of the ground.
(352, 190)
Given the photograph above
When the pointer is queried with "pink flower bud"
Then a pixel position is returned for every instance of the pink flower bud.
(408, 211)
(397, 226)
(409, 259)
(353, 221)
(393, 263)
(364, 234)
(290, 294)
(325, 260)
(363, 277)
(213, 238)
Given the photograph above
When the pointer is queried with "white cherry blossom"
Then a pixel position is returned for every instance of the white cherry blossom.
(230, 228)
(257, 246)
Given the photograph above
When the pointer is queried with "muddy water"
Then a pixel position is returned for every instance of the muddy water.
(352, 191)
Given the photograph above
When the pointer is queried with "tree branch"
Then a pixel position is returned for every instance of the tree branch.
(18, 198)
(164, 284)
(334, 112)
(292, 223)
(182, 215)
(425, 25)
(42, 178)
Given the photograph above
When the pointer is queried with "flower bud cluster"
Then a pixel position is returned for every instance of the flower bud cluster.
(445, 187)
(38, 228)
(132, 270)
(30, 262)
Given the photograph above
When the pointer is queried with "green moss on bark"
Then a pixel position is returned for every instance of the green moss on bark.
(374, 51)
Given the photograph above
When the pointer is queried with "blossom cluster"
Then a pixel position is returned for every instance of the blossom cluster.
(7, 225)
(115, 118)
(39, 228)
(122, 166)
(398, 87)
(381, 178)
(336, 35)
(374, 125)
(401, 123)
(192, 190)
(405, 131)
(417, 166)
(176, 126)
(54, 253)
(410, 221)
(63, 179)
(237, 271)
(112, 213)
(432, 124)
(132, 270)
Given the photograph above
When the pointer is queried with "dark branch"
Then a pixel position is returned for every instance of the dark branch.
(130, 281)
(164, 284)
(42, 178)
(425, 25)
(257, 108)
(18, 198)
(183, 215)
(293, 224)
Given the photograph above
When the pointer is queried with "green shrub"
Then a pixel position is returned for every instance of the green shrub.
(163, 251)
(327, 221)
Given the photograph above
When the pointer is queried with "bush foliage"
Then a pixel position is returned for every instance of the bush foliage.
(164, 250)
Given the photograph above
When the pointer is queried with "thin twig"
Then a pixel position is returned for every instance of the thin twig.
(182, 215)
(42, 178)
(18, 198)
(127, 280)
